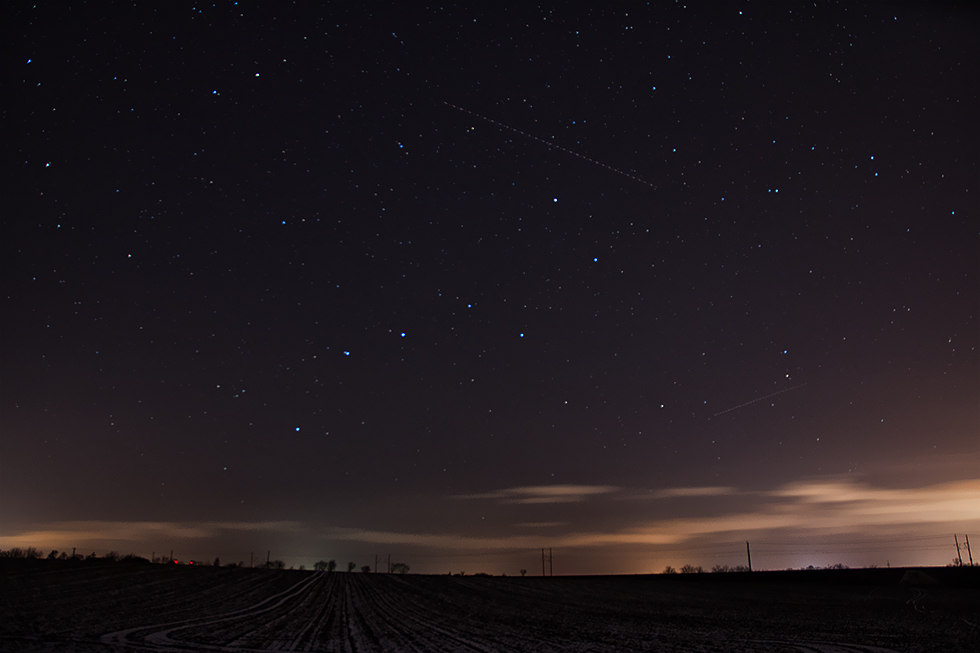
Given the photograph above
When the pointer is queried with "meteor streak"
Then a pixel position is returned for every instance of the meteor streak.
(728, 410)
(552, 145)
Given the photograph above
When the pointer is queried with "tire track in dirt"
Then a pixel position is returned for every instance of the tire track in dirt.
(161, 638)
(278, 632)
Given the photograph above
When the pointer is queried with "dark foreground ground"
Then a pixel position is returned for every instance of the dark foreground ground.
(120, 607)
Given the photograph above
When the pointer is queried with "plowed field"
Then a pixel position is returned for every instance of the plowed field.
(161, 608)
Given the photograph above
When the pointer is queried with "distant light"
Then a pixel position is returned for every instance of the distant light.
(555, 200)
(297, 429)
(522, 335)
(595, 260)
(346, 353)
(403, 334)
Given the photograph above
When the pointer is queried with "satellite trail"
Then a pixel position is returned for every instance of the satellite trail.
(552, 145)
(728, 410)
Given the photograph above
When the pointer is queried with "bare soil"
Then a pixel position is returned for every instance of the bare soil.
(49, 606)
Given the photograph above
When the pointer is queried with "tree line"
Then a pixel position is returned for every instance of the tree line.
(331, 565)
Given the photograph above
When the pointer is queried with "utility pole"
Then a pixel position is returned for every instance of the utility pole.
(959, 558)
(375, 563)
(268, 555)
(171, 561)
(547, 558)
(967, 536)
(748, 553)
(73, 553)
(251, 559)
(389, 563)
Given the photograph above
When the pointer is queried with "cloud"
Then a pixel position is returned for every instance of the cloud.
(834, 506)
(797, 511)
(456, 542)
(116, 533)
(670, 493)
(544, 493)
(841, 501)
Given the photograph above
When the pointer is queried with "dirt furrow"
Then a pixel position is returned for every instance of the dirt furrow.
(306, 638)
(432, 629)
(283, 631)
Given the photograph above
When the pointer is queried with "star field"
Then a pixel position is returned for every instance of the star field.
(418, 277)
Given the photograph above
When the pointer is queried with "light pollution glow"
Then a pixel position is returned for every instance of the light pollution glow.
(791, 515)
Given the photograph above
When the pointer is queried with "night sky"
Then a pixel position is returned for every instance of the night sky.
(637, 283)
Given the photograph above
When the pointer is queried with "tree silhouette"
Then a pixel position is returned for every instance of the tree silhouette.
(351, 566)
(399, 568)
(669, 570)
(366, 569)
(331, 565)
